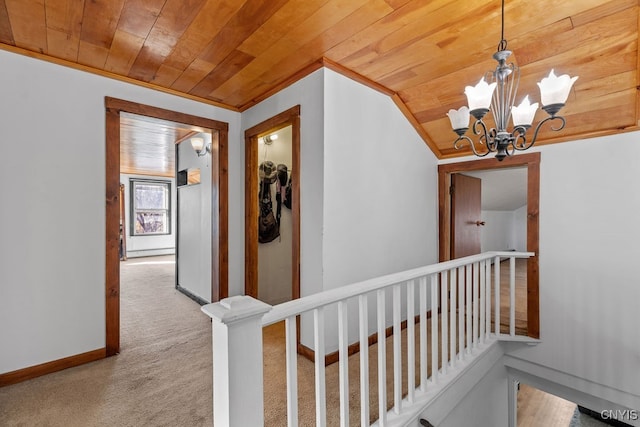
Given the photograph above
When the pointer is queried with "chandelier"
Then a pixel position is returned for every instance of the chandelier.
(498, 92)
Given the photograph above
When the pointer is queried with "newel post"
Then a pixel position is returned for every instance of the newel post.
(237, 361)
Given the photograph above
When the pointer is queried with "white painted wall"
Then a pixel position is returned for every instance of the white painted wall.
(588, 280)
(275, 257)
(504, 230)
(498, 232)
(380, 192)
(589, 251)
(138, 246)
(194, 221)
(520, 228)
(52, 187)
(485, 404)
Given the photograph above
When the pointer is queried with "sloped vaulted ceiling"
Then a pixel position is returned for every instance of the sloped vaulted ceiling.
(234, 53)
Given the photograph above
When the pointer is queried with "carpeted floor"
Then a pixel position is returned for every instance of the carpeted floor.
(162, 377)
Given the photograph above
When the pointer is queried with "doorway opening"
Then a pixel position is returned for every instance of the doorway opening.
(116, 112)
(263, 154)
(530, 162)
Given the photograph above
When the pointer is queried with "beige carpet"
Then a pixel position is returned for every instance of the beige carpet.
(161, 378)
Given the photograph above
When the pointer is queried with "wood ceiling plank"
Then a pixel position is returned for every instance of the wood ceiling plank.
(92, 55)
(139, 16)
(175, 17)
(190, 77)
(166, 75)
(410, 12)
(123, 52)
(64, 26)
(602, 11)
(62, 44)
(285, 20)
(248, 19)
(6, 34)
(213, 16)
(65, 16)
(230, 66)
(278, 62)
(28, 23)
(99, 22)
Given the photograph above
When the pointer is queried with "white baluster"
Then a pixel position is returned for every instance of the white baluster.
(454, 293)
(237, 361)
(397, 349)
(343, 352)
(423, 334)
(364, 360)
(496, 277)
(444, 316)
(292, 371)
(488, 297)
(461, 313)
(382, 361)
(476, 311)
(411, 342)
(482, 300)
(321, 397)
(434, 328)
(469, 306)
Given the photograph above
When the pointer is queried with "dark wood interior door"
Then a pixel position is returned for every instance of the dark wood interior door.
(466, 223)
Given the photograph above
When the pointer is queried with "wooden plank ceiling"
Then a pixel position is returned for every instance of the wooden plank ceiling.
(234, 53)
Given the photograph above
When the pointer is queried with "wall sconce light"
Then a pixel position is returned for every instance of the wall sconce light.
(199, 146)
(268, 140)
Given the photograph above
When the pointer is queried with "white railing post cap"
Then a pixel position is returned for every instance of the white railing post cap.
(236, 308)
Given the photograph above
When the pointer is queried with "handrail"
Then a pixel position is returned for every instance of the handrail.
(465, 294)
(310, 302)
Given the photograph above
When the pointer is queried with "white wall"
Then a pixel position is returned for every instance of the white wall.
(588, 281)
(194, 222)
(520, 229)
(153, 244)
(504, 230)
(589, 250)
(380, 191)
(52, 187)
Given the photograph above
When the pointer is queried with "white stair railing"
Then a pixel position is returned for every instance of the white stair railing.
(454, 304)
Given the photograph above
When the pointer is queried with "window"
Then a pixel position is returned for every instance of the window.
(150, 207)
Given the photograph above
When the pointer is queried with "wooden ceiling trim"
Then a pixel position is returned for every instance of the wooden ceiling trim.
(111, 75)
(284, 84)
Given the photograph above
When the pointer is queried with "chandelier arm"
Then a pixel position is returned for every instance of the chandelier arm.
(463, 138)
(520, 138)
(535, 134)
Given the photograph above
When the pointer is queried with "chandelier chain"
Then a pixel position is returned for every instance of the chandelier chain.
(503, 42)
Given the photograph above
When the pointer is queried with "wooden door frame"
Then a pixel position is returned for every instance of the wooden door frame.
(290, 117)
(219, 229)
(532, 162)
